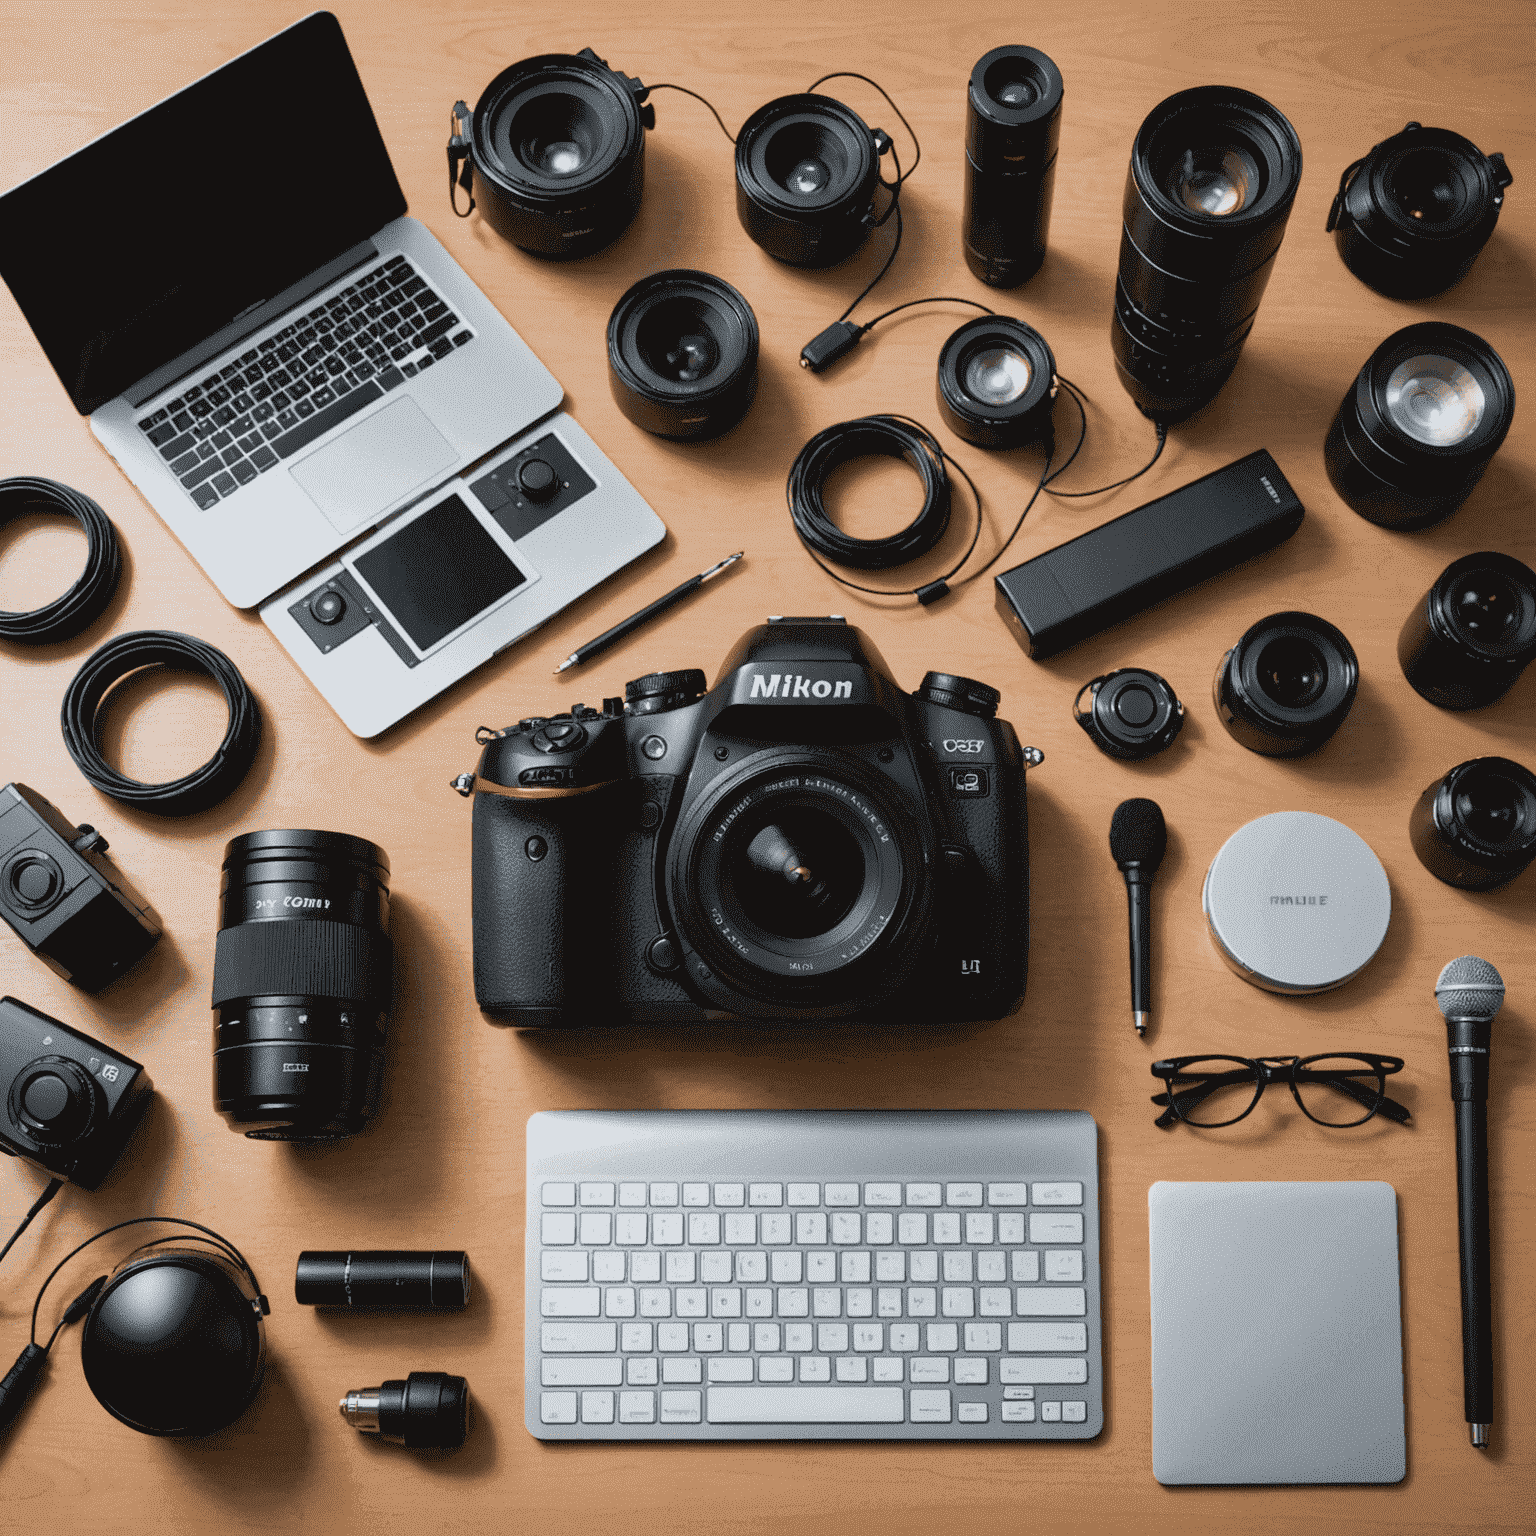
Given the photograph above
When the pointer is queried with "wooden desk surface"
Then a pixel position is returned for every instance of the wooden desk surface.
(442, 1163)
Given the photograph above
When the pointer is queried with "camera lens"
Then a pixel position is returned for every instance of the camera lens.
(557, 145)
(806, 169)
(1411, 217)
(1287, 685)
(1476, 827)
(997, 383)
(682, 355)
(797, 883)
(1012, 127)
(1132, 713)
(1419, 425)
(302, 983)
(1473, 633)
(1213, 175)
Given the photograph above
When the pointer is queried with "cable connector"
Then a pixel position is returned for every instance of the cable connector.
(460, 171)
(932, 592)
(838, 340)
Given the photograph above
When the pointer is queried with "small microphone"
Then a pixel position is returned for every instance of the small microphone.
(1470, 992)
(1138, 839)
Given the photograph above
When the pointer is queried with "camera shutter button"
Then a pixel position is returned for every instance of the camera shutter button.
(35, 879)
(559, 736)
(537, 480)
(1135, 705)
(53, 1099)
(328, 607)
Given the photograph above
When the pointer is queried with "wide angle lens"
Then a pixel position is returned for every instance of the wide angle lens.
(1287, 685)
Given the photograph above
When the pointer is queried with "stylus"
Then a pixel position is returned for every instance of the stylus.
(628, 626)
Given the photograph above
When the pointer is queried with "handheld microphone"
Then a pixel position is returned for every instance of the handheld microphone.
(1138, 839)
(1470, 992)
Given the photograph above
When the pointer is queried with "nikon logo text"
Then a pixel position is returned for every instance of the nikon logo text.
(795, 685)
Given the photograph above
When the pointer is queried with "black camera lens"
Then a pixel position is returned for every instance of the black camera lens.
(997, 383)
(302, 984)
(806, 170)
(1213, 175)
(1287, 685)
(1131, 714)
(1473, 633)
(800, 875)
(1419, 425)
(1476, 827)
(682, 355)
(1012, 127)
(1411, 217)
(557, 145)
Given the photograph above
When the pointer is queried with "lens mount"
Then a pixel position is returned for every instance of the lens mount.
(1420, 424)
(682, 355)
(1287, 685)
(1413, 215)
(806, 170)
(1476, 827)
(558, 145)
(795, 879)
(997, 383)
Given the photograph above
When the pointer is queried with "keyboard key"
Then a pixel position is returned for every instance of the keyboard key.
(946, 1227)
(597, 1407)
(730, 1370)
(172, 445)
(557, 1407)
(264, 458)
(1064, 1264)
(927, 1371)
(1019, 1394)
(574, 1371)
(571, 1301)
(557, 1227)
(1025, 1338)
(667, 1229)
(962, 1194)
(596, 1229)
(629, 1229)
(637, 1407)
(1043, 1370)
(972, 1413)
(809, 1405)
(681, 1407)
(1018, 1413)
(765, 1194)
(677, 1372)
(1010, 1227)
(321, 422)
(1026, 1266)
(1050, 1301)
(205, 496)
(1056, 1227)
(663, 1194)
(1073, 1412)
(640, 1373)
(1050, 1413)
(930, 1407)
(579, 1338)
(845, 1227)
(730, 1194)
(461, 338)
(187, 462)
(566, 1264)
(441, 348)
(1008, 1194)
(223, 483)
(1058, 1194)
(632, 1194)
(245, 472)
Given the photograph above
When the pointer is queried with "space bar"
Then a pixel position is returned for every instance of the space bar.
(805, 1405)
(323, 420)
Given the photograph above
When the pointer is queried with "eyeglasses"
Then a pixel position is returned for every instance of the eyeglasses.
(1338, 1089)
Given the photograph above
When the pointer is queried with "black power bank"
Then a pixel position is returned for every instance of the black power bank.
(1103, 576)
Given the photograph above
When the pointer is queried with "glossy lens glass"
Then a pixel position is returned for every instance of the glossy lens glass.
(562, 158)
(1490, 807)
(675, 341)
(1014, 93)
(556, 135)
(1292, 672)
(1217, 181)
(996, 375)
(1338, 1090)
(1435, 400)
(1484, 610)
(1214, 1090)
(1429, 185)
(799, 876)
(807, 178)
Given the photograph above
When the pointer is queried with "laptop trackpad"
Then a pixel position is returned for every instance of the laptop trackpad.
(367, 469)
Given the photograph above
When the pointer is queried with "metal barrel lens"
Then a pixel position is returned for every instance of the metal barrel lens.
(1476, 827)
(997, 383)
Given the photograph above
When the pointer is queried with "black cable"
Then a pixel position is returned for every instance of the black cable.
(85, 602)
(53, 1187)
(203, 787)
(1161, 427)
(668, 86)
(938, 298)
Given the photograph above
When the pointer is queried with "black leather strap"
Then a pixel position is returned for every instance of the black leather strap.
(303, 959)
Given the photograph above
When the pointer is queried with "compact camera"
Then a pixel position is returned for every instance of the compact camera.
(803, 841)
(70, 1103)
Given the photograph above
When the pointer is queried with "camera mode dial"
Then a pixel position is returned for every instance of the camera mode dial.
(962, 693)
(658, 691)
(559, 735)
(53, 1100)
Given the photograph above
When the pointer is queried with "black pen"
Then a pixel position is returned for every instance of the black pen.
(635, 620)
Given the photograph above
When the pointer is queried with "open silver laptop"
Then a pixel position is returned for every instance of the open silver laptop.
(274, 353)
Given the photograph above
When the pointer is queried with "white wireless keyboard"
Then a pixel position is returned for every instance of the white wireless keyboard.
(813, 1275)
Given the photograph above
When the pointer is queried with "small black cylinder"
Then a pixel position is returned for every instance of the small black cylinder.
(398, 1280)
(997, 383)
(1012, 126)
(1419, 425)
(1476, 827)
(1287, 685)
(1473, 633)
(429, 1410)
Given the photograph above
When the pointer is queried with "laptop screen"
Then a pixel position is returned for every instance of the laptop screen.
(149, 240)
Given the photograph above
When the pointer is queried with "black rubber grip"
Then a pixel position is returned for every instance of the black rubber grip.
(303, 959)
(19, 1381)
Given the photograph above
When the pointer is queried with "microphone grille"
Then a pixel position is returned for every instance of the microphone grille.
(1138, 834)
(1469, 988)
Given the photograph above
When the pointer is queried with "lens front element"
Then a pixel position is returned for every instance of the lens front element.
(1435, 400)
(996, 375)
(1217, 181)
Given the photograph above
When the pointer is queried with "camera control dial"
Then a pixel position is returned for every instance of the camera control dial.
(53, 1100)
(657, 691)
(962, 693)
(559, 736)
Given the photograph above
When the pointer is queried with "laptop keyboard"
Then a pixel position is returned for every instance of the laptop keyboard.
(771, 1303)
(303, 380)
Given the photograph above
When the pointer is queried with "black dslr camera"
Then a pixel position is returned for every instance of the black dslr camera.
(803, 841)
(70, 1103)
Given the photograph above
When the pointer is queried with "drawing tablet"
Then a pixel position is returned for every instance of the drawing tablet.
(1277, 1347)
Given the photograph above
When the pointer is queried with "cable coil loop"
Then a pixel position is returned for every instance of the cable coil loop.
(202, 788)
(85, 602)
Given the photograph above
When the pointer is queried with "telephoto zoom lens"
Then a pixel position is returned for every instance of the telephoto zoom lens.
(1419, 425)
(1287, 685)
(1468, 639)
(997, 384)
(1213, 175)
(1476, 827)
(1012, 127)
(557, 146)
(806, 171)
(682, 355)
(302, 984)
(1412, 216)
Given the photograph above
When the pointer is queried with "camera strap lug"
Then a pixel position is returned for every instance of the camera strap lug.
(461, 172)
(464, 784)
(1033, 757)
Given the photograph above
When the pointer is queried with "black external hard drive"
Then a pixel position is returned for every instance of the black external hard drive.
(1109, 573)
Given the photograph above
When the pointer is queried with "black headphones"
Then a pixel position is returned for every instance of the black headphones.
(173, 1343)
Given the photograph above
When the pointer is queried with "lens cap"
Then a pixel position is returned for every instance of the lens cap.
(1132, 713)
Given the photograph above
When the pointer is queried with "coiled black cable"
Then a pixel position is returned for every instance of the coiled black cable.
(85, 602)
(106, 667)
